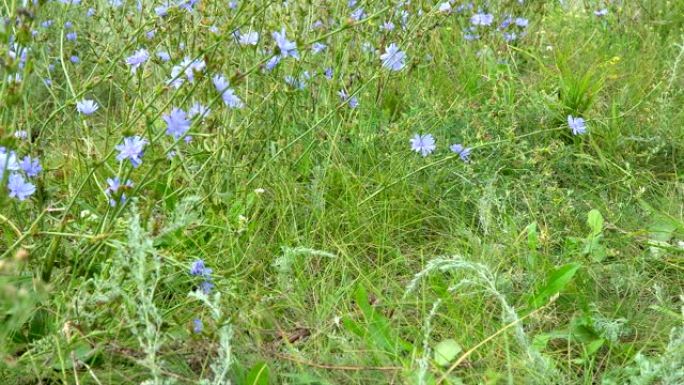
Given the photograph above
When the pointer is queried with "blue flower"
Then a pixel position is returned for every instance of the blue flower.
(353, 102)
(19, 187)
(358, 14)
(8, 161)
(481, 18)
(423, 144)
(163, 55)
(197, 326)
(91, 12)
(227, 94)
(113, 187)
(509, 36)
(601, 12)
(30, 166)
(87, 107)
(206, 286)
(249, 38)
(521, 22)
(138, 58)
(21, 134)
(318, 47)
(198, 268)
(74, 59)
(162, 10)
(71, 36)
(68, 25)
(463, 152)
(272, 62)
(286, 47)
(131, 149)
(577, 125)
(177, 123)
(328, 73)
(197, 109)
(393, 58)
(388, 26)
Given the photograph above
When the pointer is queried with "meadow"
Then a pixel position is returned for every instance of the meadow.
(330, 192)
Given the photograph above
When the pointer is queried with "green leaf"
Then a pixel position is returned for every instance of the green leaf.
(595, 222)
(532, 236)
(446, 351)
(258, 375)
(555, 283)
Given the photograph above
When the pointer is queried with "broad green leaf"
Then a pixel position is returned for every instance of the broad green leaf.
(258, 375)
(595, 222)
(446, 351)
(554, 284)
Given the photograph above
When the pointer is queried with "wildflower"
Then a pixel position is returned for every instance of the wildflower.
(131, 149)
(270, 65)
(318, 47)
(198, 109)
(162, 10)
(388, 26)
(138, 58)
(577, 125)
(227, 94)
(91, 12)
(509, 36)
(521, 22)
(30, 166)
(206, 286)
(177, 123)
(328, 73)
(423, 144)
(358, 14)
(463, 152)
(46, 23)
(113, 187)
(214, 29)
(164, 56)
(87, 107)
(150, 34)
(470, 35)
(74, 59)
(197, 326)
(19, 187)
(483, 19)
(71, 36)
(286, 47)
(601, 12)
(21, 134)
(444, 7)
(199, 269)
(68, 25)
(353, 101)
(249, 38)
(190, 67)
(393, 58)
(8, 161)
(299, 84)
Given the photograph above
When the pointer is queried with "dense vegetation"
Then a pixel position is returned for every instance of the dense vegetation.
(342, 192)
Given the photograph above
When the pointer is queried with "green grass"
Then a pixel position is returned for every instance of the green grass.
(340, 256)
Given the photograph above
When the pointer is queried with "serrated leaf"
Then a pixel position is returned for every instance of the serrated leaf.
(446, 351)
